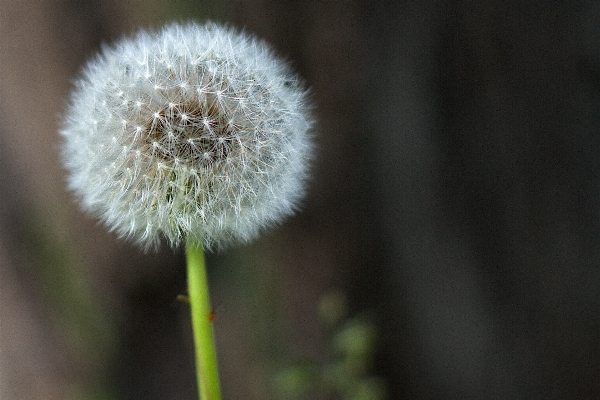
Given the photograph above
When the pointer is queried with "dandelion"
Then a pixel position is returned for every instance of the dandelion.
(197, 134)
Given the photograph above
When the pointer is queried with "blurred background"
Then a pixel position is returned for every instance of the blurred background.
(449, 247)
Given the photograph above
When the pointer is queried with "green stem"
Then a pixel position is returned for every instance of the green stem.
(206, 354)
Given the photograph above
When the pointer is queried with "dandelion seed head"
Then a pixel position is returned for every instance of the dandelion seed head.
(207, 138)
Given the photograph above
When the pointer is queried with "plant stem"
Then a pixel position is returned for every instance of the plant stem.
(206, 355)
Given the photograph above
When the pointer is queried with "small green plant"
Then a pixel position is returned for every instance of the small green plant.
(197, 134)
(351, 347)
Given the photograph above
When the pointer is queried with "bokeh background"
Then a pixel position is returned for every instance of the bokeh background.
(449, 247)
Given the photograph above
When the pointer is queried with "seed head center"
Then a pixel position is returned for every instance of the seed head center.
(194, 134)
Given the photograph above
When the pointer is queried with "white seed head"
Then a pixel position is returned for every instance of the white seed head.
(194, 132)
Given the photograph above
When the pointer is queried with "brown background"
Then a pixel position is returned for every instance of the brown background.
(455, 200)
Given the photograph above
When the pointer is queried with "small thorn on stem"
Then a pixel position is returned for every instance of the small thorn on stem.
(183, 298)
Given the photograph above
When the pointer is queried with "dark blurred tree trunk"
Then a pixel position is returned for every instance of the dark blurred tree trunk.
(485, 118)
